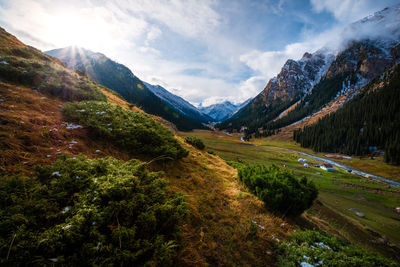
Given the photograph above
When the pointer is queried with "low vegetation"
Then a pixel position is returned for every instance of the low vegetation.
(49, 77)
(89, 212)
(311, 248)
(279, 189)
(134, 131)
(196, 142)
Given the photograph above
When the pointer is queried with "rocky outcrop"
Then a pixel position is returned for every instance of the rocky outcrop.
(296, 78)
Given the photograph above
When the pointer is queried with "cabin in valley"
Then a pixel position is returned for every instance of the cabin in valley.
(327, 167)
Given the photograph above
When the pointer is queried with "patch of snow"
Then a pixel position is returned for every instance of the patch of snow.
(357, 212)
(100, 112)
(66, 227)
(322, 245)
(259, 225)
(56, 173)
(65, 210)
(4, 62)
(306, 264)
(71, 126)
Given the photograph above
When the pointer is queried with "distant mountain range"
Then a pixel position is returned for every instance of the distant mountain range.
(305, 86)
(222, 111)
(179, 103)
(152, 99)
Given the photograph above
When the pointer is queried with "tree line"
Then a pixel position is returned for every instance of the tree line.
(368, 122)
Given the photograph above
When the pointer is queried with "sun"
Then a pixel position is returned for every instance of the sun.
(70, 29)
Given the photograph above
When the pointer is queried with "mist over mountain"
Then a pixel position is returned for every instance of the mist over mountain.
(367, 48)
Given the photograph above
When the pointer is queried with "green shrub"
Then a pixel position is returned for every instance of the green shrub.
(280, 191)
(317, 249)
(82, 212)
(130, 130)
(196, 142)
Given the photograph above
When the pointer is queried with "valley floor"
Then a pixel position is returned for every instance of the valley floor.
(341, 193)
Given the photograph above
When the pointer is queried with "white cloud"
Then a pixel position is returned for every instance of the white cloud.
(350, 10)
(269, 63)
(252, 87)
(190, 18)
(129, 31)
(153, 34)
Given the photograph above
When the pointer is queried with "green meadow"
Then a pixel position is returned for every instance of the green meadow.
(339, 191)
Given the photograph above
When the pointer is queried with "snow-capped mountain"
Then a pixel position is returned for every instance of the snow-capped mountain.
(368, 48)
(224, 110)
(179, 103)
(296, 77)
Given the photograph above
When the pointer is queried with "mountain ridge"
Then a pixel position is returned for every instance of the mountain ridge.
(179, 103)
(224, 110)
(359, 61)
(122, 80)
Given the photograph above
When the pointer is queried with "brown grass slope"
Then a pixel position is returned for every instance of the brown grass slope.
(33, 131)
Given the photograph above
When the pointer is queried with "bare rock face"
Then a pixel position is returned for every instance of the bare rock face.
(367, 58)
(295, 78)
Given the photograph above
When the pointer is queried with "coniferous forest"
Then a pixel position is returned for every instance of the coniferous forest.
(370, 121)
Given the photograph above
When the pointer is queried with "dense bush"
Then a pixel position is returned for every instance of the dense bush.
(280, 191)
(133, 131)
(196, 142)
(81, 212)
(317, 249)
(50, 78)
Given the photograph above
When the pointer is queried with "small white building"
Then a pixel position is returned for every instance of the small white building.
(305, 165)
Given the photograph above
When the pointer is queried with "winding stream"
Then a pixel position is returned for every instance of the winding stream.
(365, 174)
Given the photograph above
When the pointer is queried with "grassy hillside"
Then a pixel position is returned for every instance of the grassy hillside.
(120, 79)
(75, 192)
(220, 209)
(36, 135)
(339, 191)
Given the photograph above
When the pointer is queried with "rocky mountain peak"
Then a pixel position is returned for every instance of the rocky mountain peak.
(306, 55)
(296, 77)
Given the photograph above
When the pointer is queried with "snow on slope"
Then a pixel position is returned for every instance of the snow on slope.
(224, 110)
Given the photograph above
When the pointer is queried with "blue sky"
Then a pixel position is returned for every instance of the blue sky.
(205, 51)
